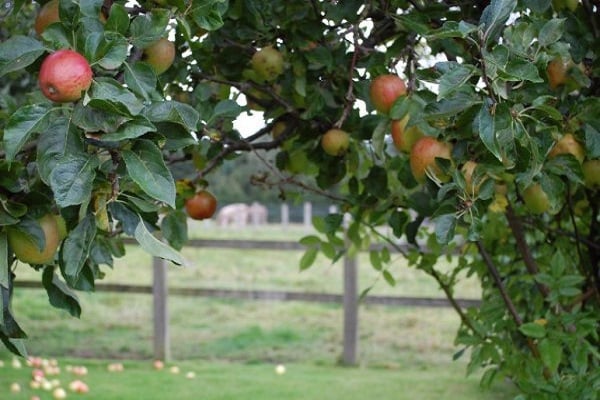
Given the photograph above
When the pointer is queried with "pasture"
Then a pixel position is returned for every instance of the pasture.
(402, 351)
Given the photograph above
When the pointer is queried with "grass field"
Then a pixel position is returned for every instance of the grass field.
(400, 349)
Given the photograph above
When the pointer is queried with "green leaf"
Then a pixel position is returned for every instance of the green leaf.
(175, 112)
(485, 126)
(532, 329)
(378, 138)
(208, 14)
(376, 183)
(174, 228)
(455, 75)
(108, 95)
(520, 70)
(452, 29)
(149, 27)
(59, 294)
(389, 278)
(76, 249)
(9, 328)
(445, 226)
(118, 19)
(72, 179)
(310, 241)
(17, 52)
(592, 141)
(374, 257)
(550, 353)
(551, 32)
(141, 79)
(147, 168)
(225, 109)
(60, 140)
(494, 17)
(130, 130)
(110, 52)
(125, 215)
(26, 121)
(308, 258)
(154, 246)
(4, 267)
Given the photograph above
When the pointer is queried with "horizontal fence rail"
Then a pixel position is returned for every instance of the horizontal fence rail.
(272, 295)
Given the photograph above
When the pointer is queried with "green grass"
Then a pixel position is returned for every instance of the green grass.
(402, 351)
(223, 381)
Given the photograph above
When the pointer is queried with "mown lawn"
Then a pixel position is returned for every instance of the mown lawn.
(224, 381)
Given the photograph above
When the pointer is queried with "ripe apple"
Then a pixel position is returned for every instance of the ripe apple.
(160, 55)
(202, 205)
(536, 200)
(64, 76)
(59, 393)
(591, 174)
(280, 369)
(423, 155)
(27, 250)
(267, 63)
(15, 387)
(384, 91)
(404, 138)
(557, 72)
(568, 145)
(158, 364)
(335, 142)
(47, 15)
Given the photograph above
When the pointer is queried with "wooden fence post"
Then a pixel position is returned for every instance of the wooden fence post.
(307, 217)
(350, 296)
(285, 215)
(162, 349)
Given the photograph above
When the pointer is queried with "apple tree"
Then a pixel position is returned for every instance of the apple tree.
(467, 129)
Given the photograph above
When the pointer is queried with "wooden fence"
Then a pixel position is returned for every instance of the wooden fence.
(349, 298)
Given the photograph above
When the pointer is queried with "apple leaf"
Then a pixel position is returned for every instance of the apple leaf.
(175, 112)
(147, 168)
(9, 327)
(59, 294)
(494, 17)
(59, 140)
(308, 258)
(174, 228)
(72, 179)
(445, 226)
(76, 249)
(149, 27)
(107, 50)
(154, 246)
(118, 19)
(17, 52)
(141, 79)
(551, 32)
(26, 121)
(592, 140)
(455, 75)
(532, 329)
(108, 95)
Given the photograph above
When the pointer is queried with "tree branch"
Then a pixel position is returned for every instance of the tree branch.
(518, 231)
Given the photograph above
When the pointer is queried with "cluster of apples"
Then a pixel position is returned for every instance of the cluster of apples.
(159, 365)
(44, 376)
(66, 74)
(423, 150)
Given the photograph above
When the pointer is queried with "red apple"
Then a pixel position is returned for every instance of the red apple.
(335, 142)
(404, 138)
(64, 76)
(423, 155)
(384, 91)
(568, 145)
(202, 205)
(47, 15)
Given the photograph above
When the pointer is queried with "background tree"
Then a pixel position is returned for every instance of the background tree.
(499, 98)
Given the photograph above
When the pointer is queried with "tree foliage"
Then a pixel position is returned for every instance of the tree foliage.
(500, 81)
